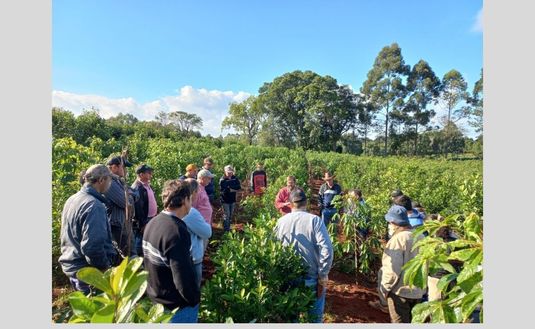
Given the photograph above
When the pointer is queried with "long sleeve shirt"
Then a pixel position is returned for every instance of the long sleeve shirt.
(200, 231)
(202, 204)
(326, 195)
(311, 239)
(167, 258)
(398, 252)
(227, 183)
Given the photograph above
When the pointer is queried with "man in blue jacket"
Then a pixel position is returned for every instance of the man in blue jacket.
(327, 192)
(85, 231)
(228, 185)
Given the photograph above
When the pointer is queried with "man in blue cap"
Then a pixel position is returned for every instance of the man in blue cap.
(401, 298)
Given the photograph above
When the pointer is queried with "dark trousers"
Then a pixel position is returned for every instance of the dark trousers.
(400, 308)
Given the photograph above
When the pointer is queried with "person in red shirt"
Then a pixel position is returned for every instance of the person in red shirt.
(258, 182)
(282, 200)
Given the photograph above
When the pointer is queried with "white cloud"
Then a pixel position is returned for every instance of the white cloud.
(478, 24)
(210, 105)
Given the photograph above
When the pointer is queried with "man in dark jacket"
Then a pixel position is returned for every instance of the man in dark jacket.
(167, 258)
(145, 206)
(327, 192)
(208, 163)
(229, 185)
(85, 231)
(121, 230)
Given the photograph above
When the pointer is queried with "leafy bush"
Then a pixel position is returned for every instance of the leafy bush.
(252, 279)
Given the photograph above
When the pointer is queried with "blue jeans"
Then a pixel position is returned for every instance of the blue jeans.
(228, 208)
(198, 273)
(327, 215)
(316, 313)
(186, 315)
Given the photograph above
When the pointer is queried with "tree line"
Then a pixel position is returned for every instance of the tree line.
(307, 110)
(302, 109)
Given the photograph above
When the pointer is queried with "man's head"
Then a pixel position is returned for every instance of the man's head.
(144, 173)
(191, 170)
(397, 215)
(395, 194)
(298, 199)
(357, 193)
(208, 163)
(117, 164)
(329, 178)
(99, 177)
(204, 177)
(176, 196)
(229, 170)
(194, 187)
(404, 201)
(290, 182)
(259, 166)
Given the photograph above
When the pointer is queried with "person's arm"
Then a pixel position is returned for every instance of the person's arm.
(196, 223)
(279, 201)
(235, 185)
(95, 238)
(183, 272)
(325, 248)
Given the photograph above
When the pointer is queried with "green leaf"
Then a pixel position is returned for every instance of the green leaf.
(132, 268)
(471, 301)
(95, 278)
(135, 283)
(104, 315)
(421, 311)
(464, 254)
(469, 277)
(445, 281)
(82, 306)
(117, 276)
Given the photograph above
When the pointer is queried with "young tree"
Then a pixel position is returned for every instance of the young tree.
(246, 118)
(424, 88)
(384, 85)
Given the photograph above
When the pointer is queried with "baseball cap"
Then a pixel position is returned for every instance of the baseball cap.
(397, 215)
(117, 161)
(204, 173)
(143, 168)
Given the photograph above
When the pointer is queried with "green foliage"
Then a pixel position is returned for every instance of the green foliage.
(121, 290)
(462, 288)
(252, 279)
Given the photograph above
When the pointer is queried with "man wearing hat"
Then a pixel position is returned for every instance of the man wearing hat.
(327, 192)
(116, 204)
(145, 206)
(202, 202)
(228, 185)
(191, 172)
(85, 230)
(309, 237)
(401, 298)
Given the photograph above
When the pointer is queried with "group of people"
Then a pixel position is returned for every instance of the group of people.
(105, 218)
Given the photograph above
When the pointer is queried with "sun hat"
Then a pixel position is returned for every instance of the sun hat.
(397, 215)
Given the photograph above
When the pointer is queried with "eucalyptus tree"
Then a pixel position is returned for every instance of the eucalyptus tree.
(424, 89)
(453, 93)
(475, 110)
(384, 86)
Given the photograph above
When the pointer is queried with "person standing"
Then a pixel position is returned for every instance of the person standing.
(191, 172)
(208, 163)
(202, 202)
(145, 206)
(117, 203)
(200, 231)
(258, 182)
(327, 192)
(228, 185)
(86, 238)
(400, 298)
(309, 236)
(282, 200)
(166, 255)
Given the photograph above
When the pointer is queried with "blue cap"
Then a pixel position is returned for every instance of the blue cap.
(397, 215)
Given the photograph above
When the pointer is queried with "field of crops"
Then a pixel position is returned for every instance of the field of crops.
(452, 188)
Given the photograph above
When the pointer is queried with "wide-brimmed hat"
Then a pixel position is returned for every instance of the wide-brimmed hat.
(328, 175)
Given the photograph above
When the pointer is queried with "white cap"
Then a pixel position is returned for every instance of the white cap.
(205, 173)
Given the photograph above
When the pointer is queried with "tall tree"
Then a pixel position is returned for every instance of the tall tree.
(475, 110)
(424, 88)
(307, 110)
(365, 122)
(185, 122)
(63, 123)
(245, 117)
(454, 92)
(162, 117)
(384, 85)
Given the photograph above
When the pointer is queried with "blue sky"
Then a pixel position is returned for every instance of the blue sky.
(141, 57)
